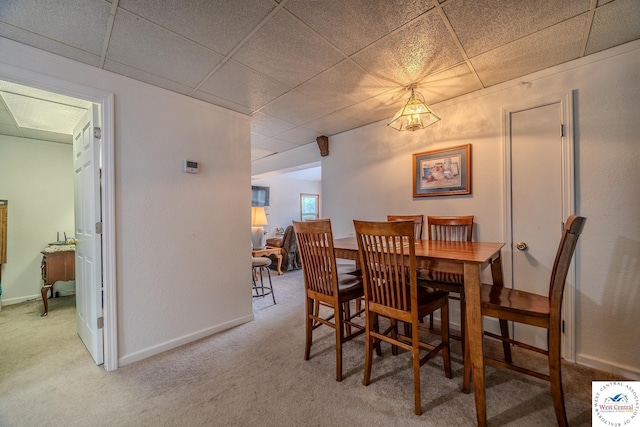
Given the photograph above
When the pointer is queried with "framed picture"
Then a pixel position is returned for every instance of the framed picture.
(443, 172)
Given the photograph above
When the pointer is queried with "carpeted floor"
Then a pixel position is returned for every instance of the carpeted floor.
(252, 375)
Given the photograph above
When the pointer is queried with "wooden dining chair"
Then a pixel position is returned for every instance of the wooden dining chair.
(418, 220)
(388, 263)
(326, 287)
(448, 228)
(544, 311)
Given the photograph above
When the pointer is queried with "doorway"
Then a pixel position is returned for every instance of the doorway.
(539, 196)
(105, 102)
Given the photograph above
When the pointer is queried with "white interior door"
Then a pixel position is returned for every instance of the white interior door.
(86, 163)
(536, 203)
(539, 196)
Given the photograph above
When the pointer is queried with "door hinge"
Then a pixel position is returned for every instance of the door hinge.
(98, 227)
(100, 322)
(563, 326)
(97, 132)
(561, 131)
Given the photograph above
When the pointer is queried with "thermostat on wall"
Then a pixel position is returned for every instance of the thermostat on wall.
(190, 166)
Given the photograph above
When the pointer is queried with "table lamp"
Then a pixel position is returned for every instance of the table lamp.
(258, 220)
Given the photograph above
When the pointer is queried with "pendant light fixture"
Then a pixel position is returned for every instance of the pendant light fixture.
(414, 115)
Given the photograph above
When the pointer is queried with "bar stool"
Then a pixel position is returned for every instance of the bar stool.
(259, 264)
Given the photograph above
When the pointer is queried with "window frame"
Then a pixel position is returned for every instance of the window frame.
(304, 215)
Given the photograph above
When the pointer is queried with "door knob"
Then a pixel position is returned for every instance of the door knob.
(522, 246)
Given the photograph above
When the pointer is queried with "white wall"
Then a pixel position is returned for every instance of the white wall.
(36, 177)
(284, 195)
(181, 270)
(369, 174)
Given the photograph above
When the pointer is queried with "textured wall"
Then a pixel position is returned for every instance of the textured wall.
(368, 175)
(181, 271)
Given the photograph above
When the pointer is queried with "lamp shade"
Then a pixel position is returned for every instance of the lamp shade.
(258, 216)
(414, 115)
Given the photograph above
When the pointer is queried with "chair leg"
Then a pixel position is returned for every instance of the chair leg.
(446, 354)
(254, 285)
(394, 335)
(270, 285)
(415, 351)
(506, 347)
(370, 323)
(347, 317)
(463, 320)
(309, 323)
(376, 328)
(339, 327)
(555, 378)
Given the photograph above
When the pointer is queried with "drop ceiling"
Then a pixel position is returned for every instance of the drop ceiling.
(304, 68)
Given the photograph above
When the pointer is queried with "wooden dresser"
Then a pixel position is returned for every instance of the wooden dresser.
(58, 263)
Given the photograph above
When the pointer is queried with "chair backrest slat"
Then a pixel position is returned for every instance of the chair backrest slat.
(418, 220)
(450, 228)
(388, 263)
(315, 243)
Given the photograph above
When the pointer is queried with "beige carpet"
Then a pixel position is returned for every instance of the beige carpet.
(253, 375)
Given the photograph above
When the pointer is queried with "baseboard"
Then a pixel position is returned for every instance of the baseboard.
(18, 300)
(610, 367)
(160, 348)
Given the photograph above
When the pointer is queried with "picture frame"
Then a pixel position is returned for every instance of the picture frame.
(444, 172)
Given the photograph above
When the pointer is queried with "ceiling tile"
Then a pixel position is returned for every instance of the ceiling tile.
(296, 108)
(419, 49)
(614, 24)
(354, 24)
(256, 137)
(141, 44)
(146, 77)
(382, 107)
(482, 25)
(337, 122)
(212, 99)
(552, 46)
(244, 86)
(259, 153)
(274, 144)
(299, 135)
(268, 125)
(287, 51)
(78, 23)
(447, 84)
(35, 40)
(342, 85)
(217, 24)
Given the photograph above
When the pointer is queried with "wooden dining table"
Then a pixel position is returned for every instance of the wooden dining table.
(469, 259)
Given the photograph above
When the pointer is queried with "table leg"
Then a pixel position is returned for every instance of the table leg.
(44, 291)
(474, 346)
(498, 280)
(279, 258)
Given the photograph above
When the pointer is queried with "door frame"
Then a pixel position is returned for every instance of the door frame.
(568, 201)
(106, 102)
